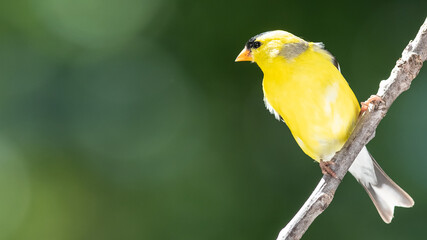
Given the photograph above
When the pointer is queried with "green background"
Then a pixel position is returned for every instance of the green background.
(130, 120)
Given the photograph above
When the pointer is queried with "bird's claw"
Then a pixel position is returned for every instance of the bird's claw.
(375, 99)
(324, 166)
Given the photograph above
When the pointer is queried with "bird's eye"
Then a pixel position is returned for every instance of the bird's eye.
(256, 44)
(252, 44)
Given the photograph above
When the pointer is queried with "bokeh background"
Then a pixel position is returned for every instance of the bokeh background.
(130, 120)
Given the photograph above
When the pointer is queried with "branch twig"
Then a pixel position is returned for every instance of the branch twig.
(406, 69)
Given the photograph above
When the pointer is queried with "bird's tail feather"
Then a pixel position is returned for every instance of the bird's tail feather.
(383, 191)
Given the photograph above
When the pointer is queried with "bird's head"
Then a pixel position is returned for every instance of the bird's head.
(268, 46)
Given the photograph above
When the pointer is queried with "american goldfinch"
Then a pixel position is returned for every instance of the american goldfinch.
(303, 86)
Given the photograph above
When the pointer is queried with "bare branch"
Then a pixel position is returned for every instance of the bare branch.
(406, 69)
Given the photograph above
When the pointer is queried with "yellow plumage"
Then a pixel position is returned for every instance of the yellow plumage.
(313, 99)
(303, 86)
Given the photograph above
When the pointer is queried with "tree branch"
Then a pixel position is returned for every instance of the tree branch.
(406, 69)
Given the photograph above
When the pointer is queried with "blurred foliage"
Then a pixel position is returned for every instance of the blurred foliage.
(130, 120)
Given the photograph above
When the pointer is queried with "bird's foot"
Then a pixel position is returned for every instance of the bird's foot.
(324, 166)
(375, 99)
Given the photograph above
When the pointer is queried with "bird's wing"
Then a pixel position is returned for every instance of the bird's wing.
(334, 61)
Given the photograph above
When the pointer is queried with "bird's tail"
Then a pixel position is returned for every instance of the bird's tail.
(385, 193)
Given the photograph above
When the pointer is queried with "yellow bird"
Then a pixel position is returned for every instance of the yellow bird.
(303, 86)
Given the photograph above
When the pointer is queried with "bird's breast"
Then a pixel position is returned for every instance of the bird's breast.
(316, 103)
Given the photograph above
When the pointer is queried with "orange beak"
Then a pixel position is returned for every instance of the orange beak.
(244, 55)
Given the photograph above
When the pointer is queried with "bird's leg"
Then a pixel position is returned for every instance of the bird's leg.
(365, 105)
(324, 166)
